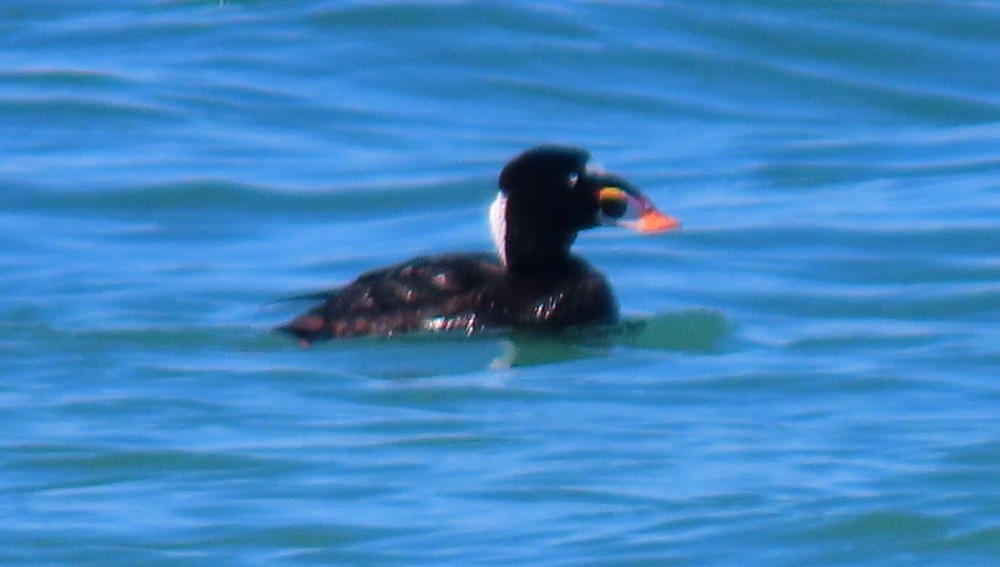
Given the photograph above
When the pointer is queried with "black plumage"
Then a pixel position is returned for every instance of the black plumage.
(547, 195)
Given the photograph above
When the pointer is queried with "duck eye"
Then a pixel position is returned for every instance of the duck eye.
(612, 201)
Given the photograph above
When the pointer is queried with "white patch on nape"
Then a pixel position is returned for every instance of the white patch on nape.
(498, 225)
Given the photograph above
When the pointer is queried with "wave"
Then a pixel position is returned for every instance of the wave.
(223, 197)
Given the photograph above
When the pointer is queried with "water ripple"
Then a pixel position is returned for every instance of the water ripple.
(807, 373)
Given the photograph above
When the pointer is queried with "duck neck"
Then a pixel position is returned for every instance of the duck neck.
(528, 246)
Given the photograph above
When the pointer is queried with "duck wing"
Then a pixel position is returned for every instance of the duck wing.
(426, 293)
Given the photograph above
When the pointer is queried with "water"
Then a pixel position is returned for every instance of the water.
(810, 371)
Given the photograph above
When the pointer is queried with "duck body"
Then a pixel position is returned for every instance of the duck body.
(458, 292)
(547, 195)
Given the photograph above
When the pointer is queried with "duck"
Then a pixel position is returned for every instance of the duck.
(547, 195)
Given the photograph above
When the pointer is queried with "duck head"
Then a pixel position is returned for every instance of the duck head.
(550, 193)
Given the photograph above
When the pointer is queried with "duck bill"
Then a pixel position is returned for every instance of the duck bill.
(652, 221)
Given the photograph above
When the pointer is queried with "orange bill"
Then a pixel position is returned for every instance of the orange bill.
(652, 221)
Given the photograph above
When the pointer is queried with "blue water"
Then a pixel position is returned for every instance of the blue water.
(811, 369)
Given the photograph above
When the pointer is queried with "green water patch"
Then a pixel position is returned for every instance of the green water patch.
(435, 354)
(692, 330)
